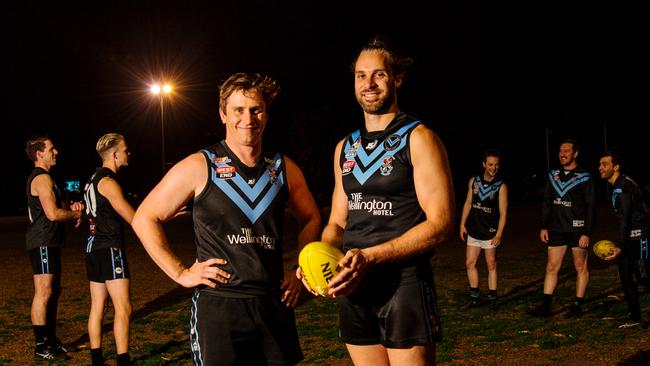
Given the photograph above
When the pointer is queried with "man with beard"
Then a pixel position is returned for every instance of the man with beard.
(632, 253)
(482, 223)
(568, 215)
(392, 205)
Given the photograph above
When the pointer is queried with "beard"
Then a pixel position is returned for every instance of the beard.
(379, 106)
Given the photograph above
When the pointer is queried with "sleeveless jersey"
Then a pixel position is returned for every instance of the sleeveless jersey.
(627, 202)
(239, 217)
(569, 202)
(106, 228)
(377, 178)
(483, 220)
(42, 232)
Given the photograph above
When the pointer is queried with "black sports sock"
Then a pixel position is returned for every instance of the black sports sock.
(474, 292)
(579, 301)
(97, 357)
(123, 359)
(546, 301)
(492, 294)
(40, 334)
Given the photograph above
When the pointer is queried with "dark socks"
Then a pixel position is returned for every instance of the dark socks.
(474, 292)
(123, 359)
(492, 294)
(546, 301)
(97, 357)
(40, 334)
(578, 301)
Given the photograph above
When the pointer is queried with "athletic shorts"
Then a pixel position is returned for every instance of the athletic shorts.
(242, 331)
(107, 264)
(45, 260)
(557, 239)
(407, 317)
(484, 244)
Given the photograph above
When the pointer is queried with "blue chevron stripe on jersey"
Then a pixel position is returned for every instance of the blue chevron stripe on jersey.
(367, 165)
(563, 187)
(485, 192)
(248, 207)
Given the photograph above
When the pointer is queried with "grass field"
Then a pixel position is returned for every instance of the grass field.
(475, 336)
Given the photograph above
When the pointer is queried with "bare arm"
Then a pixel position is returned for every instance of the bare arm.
(110, 189)
(304, 208)
(435, 195)
(333, 231)
(183, 181)
(42, 187)
(466, 209)
(503, 213)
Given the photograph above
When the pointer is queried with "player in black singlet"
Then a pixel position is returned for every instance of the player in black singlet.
(392, 205)
(106, 265)
(242, 310)
(633, 252)
(44, 238)
(568, 214)
(482, 223)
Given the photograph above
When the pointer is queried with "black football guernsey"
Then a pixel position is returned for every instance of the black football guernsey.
(106, 228)
(377, 178)
(42, 232)
(483, 219)
(238, 217)
(568, 205)
(627, 202)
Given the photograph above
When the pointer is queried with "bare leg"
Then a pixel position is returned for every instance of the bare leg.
(98, 296)
(119, 290)
(372, 355)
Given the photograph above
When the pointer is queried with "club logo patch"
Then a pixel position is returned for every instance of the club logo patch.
(387, 167)
(392, 142)
(348, 166)
(225, 172)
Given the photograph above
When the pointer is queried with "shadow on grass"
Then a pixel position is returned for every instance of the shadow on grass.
(641, 358)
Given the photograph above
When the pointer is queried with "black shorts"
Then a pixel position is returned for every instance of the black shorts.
(404, 318)
(242, 331)
(557, 239)
(45, 260)
(107, 264)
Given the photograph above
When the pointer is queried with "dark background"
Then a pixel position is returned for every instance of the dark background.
(516, 77)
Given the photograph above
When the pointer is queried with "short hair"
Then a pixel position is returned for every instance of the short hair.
(108, 142)
(617, 158)
(398, 62)
(491, 152)
(573, 142)
(34, 144)
(263, 85)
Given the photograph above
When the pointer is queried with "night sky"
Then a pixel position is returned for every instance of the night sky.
(495, 76)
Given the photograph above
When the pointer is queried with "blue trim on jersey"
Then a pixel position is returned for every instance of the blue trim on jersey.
(197, 357)
(563, 188)
(485, 192)
(45, 260)
(252, 193)
(362, 175)
(615, 194)
(89, 246)
(643, 247)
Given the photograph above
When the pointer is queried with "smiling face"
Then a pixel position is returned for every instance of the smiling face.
(491, 166)
(374, 83)
(245, 117)
(567, 155)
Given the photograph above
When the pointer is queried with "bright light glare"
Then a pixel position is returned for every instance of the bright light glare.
(155, 89)
(167, 88)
